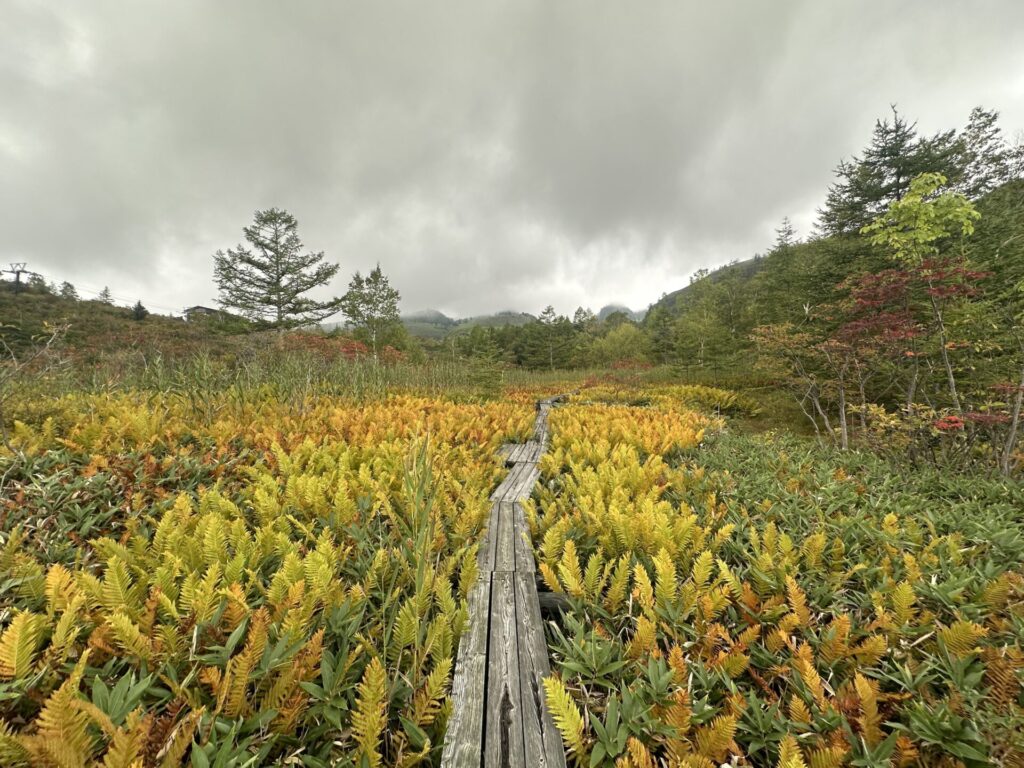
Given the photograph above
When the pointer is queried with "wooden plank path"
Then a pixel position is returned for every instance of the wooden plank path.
(499, 718)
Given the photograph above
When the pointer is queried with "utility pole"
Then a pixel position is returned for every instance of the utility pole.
(17, 268)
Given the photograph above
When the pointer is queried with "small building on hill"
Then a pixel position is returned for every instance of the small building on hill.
(197, 312)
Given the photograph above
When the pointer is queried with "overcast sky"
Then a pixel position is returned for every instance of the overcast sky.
(490, 155)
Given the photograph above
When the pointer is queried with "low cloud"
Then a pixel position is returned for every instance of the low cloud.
(488, 156)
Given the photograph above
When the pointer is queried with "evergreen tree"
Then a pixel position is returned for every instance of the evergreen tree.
(371, 306)
(584, 319)
(987, 159)
(479, 344)
(67, 291)
(139, 312)
(785, 235)
(268, 280)
(866, 186)
(37, 283)
(659, 324)
(105, 296)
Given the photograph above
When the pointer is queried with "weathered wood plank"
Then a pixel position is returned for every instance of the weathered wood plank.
(510, 479)
(488, 545)
(518, 453)
(523, 488)
(503, 737)
(524, 552)
(499, 719)
(466, 726)
(505, 555)
(541, 741)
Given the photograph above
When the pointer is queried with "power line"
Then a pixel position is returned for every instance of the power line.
(92, 291)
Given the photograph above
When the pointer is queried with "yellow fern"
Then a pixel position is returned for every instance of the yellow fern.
(870, 720)
(826, 757)
(567, 718)
(714, 739)
(370, 715)
(790, 755)
(961, 638)
(797, 602)
(13, 754)
(426, 702)
(232, 699)
(128, 636)
(128, 744)
(903, 599)
(569, 570)
(62, 735)
(19, 644)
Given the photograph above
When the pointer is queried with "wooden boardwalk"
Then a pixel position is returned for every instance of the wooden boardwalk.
(499, 719)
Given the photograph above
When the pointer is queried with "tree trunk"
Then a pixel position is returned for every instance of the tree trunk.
(844, 435)
(1011, 435)
(950, 379)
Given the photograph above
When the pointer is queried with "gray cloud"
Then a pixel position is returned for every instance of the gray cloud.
(488, 155)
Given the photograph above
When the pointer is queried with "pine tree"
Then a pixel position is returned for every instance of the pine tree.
(987, 159)
(660, 326)
(67, 291)
(268, 280)
(37, 283)
(105, 296)
(139, 312)
(785, 235)
(371, 305)
(866, 186)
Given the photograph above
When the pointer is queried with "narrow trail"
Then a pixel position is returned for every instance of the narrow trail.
(499, 718)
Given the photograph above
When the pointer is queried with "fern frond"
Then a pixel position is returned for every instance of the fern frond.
(128, 636)
(236, 677)
(903, 599)
(62, 734)
(790, 755)
(677, 663)
(127, 747)
(618, 586)
(798, 710)
(643, 591)
(664, 579)
(567, 717)
(426, 702)
(644, 640)
(870, 720)
(13, 753)
(827, 757)
(18, 645)
(569, 570)
(797, 602)
(60, 589)
(639, 756)
(118, 591)
(406, 628)
(370, 715)
(702, 568)
(550, 578)
(714, 739)
(961, 638)
(803, 662)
